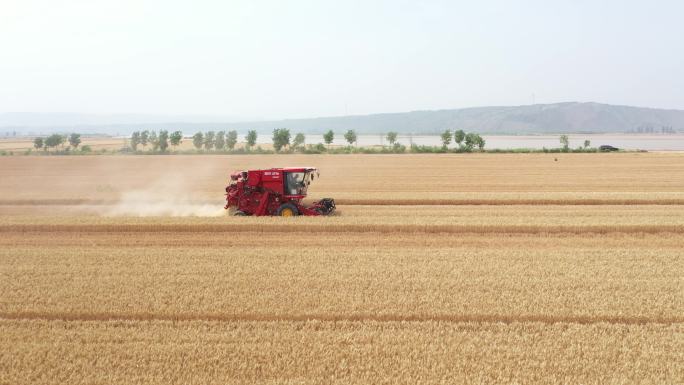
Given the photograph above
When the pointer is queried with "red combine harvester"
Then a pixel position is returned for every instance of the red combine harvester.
(276, 191)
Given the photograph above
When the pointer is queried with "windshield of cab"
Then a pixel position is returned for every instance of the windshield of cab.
(295, 183)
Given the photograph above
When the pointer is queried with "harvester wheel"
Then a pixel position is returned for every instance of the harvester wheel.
(287, 210)
(240, 213)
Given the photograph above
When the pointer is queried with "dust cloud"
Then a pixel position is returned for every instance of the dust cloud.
(170, 196)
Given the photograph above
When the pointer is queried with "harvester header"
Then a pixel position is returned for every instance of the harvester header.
(275, 191)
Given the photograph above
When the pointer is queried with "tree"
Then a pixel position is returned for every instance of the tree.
(299, 140)
(470, 141)
(459, 136)
(54, 140)
(163, 140)
(350, 137)
(209, 140)
(198, 140)
(328, 137)
(251, 138)
(480, 142)
(135, 140)
(587, 143)
(565, 142)
(176, 138)
(153, 140)
(220, 140)
(391, 138)
(144, 138)
(232, 139)
(281, 138)
(74, 140)
(446, 138)
(38, 143)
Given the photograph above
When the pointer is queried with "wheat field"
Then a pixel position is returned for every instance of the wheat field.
(481, 268)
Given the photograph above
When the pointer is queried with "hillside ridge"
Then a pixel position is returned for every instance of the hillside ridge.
(566, 117)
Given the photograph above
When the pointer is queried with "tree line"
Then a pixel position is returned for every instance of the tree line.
(160, 142)
(221, 140)
(58, 140)
(157, 142)
(466, 141)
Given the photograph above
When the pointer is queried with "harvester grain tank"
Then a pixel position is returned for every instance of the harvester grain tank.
(275, 191)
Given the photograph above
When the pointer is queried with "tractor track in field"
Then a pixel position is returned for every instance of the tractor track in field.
(391, 202)
(342, 228)
(508, 202)
(447, 318)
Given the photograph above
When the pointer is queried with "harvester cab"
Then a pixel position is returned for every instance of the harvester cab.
(275, 191)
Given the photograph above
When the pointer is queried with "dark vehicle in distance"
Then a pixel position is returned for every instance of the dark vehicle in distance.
(607, 148)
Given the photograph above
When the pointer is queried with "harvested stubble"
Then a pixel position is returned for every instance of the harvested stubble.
(504, 178)
(376, 218)
(380, 294)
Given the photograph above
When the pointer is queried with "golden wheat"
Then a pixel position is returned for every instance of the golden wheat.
(313, 352)
(241, 276)
(579, 282)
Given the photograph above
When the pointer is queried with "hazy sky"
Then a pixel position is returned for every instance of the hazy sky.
(279, 59)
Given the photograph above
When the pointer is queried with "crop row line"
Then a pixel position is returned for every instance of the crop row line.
(291, 226)
(392, 202)
(265, 317)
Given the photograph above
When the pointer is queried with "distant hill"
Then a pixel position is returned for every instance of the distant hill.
(556, 118)
(534, 119)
